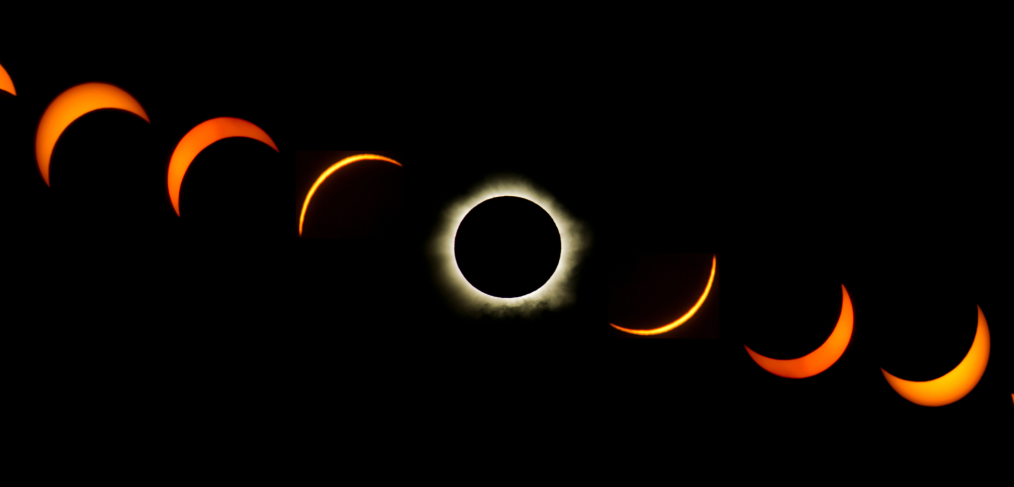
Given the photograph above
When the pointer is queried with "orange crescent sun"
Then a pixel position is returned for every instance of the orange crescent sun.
(685, 317)
(334, 167)
(957, 383)
(71, 105)
(820, 359)
(6, 84)
(200, 137)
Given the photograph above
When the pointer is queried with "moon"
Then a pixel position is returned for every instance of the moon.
(336, 166)
(955, 384)
(558, 292)
(685, 317)
(820, 359)
(507, 247)
(200, 137)
(71, 105)
(6, 84)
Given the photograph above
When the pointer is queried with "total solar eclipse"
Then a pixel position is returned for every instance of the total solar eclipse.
(507, 247)
(518, 258)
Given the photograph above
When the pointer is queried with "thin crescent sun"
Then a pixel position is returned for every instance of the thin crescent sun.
(820, 359)
(71, 105)
(685, 317)
(200, 137)
(6, 84)
(955, 384)
(336, 166)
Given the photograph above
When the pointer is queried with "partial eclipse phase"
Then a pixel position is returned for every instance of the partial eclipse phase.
(683, 318)
(334, 167)
(6, 84)
(71, 105)
(820, 359)
(955, 384)
(200, 137)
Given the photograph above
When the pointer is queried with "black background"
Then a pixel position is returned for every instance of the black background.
(100, 259)
(910, 224)
(109, 173)
(388, 278)
(650, 290)
(911, 218)
(793, 217)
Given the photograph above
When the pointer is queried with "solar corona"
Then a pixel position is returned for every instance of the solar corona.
(557, 290)
(503, 248)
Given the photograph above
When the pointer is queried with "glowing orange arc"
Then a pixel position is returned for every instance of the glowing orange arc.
(955, 384)
(336, 166)
(682, 319)
(70, 106)
(6, 84)
(200, 137)
(820, 359)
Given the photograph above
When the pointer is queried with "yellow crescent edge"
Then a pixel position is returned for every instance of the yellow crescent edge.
(954, 385)
(334, 167)
(682, 319)
(826, 355)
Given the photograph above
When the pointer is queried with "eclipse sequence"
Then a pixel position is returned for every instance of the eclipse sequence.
(510, 243)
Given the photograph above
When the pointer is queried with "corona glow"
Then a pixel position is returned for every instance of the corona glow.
(5, 82)
(820, 359)
(200, 137)
(685, 317)
(70, 106)
(558, 291)
(336, 166)
(955, 384)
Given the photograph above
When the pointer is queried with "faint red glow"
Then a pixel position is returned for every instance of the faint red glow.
(71, 105)
(200, 137)
(685, 317)
(820, 359)
(955, 384)
(334, 167)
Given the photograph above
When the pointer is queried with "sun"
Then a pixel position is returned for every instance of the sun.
(556, 293)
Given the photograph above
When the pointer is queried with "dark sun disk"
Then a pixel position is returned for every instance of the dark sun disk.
(507, 247)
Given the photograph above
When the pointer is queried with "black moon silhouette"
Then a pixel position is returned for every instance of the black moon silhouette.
(507, 247)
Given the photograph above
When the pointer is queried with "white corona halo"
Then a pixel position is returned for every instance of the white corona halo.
(555, 293)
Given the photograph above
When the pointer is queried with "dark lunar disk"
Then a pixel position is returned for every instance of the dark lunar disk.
(507, 247)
